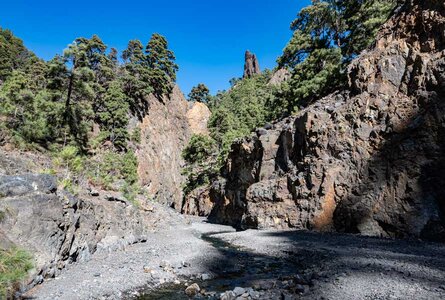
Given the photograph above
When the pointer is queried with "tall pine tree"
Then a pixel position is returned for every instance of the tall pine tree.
(327, 35)
(161, 64)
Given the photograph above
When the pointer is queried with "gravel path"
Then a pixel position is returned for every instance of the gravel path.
(262, 264)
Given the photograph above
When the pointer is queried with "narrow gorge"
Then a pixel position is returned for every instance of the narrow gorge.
(115, 185)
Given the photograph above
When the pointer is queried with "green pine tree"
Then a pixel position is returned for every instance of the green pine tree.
(199, 93)
(327, 35)
(161, 64)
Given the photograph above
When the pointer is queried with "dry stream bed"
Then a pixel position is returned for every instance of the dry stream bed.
(226, 264)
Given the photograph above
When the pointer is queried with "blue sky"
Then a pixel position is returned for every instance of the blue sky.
(209, 37)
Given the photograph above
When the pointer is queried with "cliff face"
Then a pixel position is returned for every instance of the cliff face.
(165, 131)
(368, 160)
(198, 116)
(59, 228)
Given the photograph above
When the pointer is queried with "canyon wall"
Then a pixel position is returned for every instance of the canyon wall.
(369, 159)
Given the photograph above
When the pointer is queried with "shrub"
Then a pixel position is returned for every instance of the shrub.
(106, 169)
(202, 166)
(135, 135)
(14, 266)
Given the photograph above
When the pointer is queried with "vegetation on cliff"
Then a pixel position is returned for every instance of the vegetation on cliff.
(327, 35)
(250, 103)
(200, 93)
(78, 104)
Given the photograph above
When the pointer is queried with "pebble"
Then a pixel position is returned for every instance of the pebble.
(186, 264)
(287, 296)
(239, 291)
(299, 288)
(229, 295)
(192, 290)
(164, 264)
(206, 276)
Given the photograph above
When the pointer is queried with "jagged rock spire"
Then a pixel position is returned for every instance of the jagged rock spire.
(251, 65)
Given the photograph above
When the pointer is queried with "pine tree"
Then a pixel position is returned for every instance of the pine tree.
(136, 78)
(113, 115)
(199, 93)
(13, 54)
(161, 64)
(327, 35)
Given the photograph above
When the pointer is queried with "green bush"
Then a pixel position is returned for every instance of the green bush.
(135, 135)
(199, 148)
(201, 157)
(235, 113)
(14, 267)
(70, 158)
(106, 169)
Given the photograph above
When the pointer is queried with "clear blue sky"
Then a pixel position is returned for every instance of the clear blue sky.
(209, 37)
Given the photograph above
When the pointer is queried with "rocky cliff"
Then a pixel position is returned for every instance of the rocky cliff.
(198, 116)
(166, 128)
(366, 160)
(59, 228)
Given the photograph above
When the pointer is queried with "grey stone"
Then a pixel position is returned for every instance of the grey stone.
(239, 291)
(229, 295)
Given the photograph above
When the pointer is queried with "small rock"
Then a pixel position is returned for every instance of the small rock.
(254, 294)
(229, 295)
(96, 274)
(206, 276)
(166, 266)
(261, 131)
(286, 296)
(186, 264)
(239, 291)
(268, 126)
(147, 269)
(300, 288)
(94, 192)
(192, 290)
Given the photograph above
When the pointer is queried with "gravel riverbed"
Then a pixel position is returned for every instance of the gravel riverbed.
(216, 262)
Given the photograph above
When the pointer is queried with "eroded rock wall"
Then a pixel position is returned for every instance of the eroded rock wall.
(58, 228)
(368, 160)
(165, 131)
